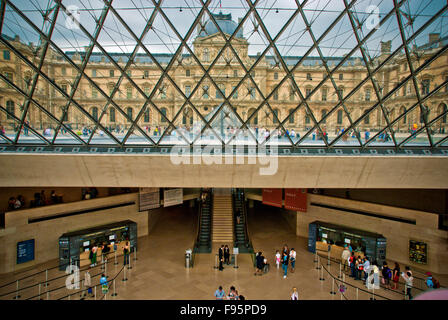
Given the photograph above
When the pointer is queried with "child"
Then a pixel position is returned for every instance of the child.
(277, 259)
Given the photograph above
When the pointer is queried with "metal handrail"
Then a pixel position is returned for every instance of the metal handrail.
(47, 282)
(381, 276)
(108, 281)
(348, 284)
(246, 229)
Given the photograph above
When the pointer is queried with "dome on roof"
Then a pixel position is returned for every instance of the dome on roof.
(226, 24)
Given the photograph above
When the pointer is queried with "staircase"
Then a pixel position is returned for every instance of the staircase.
(222, 217)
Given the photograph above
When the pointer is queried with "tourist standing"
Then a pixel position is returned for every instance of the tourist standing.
(126, 251)
(227, 254)
(345, 256)
(396, 276)
(352, 261)
(292, 258)
(277, 259)
(409, 282)
(221, 257)
(285, 260)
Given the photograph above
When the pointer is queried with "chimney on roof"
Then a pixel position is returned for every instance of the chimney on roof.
(386, 47)
(17, 38)
(434, 37)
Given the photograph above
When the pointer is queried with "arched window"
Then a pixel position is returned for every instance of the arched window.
(129, 113)
(291, 116)
(112, 115)
(403, 111)
(162, 119)
(10, 108)
(442, 110)
(339, 121)
(95, 113)
(146, 115)
(324, 113)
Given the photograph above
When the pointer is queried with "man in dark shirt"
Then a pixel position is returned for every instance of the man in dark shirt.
(221, 257)
(259, 259)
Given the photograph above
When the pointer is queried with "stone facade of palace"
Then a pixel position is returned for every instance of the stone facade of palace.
(186, 73)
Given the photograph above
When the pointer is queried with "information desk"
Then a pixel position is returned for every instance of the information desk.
(75, 246)
(324, 236)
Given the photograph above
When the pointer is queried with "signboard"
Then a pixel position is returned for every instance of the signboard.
(173, 197)
(149, 198)
(272, 197)
(418, 252)
(296, 199)
(25, 251)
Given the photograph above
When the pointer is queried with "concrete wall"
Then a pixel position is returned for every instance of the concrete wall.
(397, 234)
(47, 233)
(121, 170)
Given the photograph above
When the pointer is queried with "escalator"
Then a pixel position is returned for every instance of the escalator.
(241, 236)
(203, 241)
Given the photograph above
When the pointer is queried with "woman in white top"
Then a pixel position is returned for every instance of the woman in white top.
(292, 259)
(373, 280)
(294, 294)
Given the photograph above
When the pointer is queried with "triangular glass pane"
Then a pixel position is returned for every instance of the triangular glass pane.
(225, 122)
(439, 127)
(40, 121)
(141, 132)
(418, 139)
(15, 29)
(86, 12)
(10, 116)
(320, 20)
(181, 18)
(161, 40)
(274, 20)
(208, 138)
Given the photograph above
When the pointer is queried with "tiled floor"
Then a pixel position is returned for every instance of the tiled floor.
(160, 273)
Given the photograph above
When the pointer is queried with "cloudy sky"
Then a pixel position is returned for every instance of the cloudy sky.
(294, 40)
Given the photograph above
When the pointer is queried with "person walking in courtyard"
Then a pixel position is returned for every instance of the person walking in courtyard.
(292, 258)
(285, 260)
(277, 259)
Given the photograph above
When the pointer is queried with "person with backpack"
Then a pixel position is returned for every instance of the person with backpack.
(359, 268)
(285, 260)
(432, 282)
(387, 275)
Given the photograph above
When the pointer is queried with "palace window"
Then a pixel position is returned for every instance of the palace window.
(111, 73)
(275, 75)
(367, 94)
(324, 94)
(129, 92)
(187, 90)
(162, 119)
(146, 115)
(308, 76)
(187, 72)
(95, 113)
(339, 120)
(10, 108)
(129, 114)
(112, 115)
(6, 55)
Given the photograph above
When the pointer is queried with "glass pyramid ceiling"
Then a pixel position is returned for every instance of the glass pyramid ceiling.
(357, 74)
